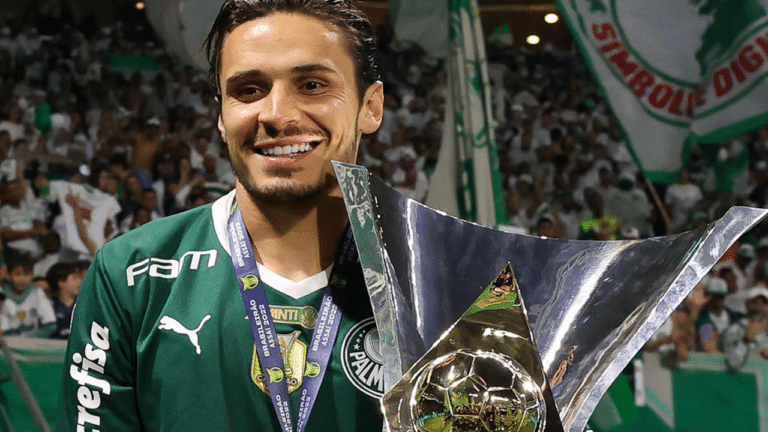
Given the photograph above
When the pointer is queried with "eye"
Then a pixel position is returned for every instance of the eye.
(248, 93)
(312, 86)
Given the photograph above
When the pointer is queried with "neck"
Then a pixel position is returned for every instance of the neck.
(66, 298)
(295, 241)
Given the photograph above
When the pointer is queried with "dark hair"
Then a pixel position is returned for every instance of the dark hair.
(59, 272)
(18, 259)
(342, 14)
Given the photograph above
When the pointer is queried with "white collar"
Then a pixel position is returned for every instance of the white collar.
(295, 290)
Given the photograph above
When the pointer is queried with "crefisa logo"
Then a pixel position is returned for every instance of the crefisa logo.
(361, 358)
(680, 58)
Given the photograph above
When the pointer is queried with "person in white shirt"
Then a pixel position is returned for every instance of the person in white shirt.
(681, 199)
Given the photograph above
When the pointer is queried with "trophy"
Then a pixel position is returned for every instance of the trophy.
(590, 305)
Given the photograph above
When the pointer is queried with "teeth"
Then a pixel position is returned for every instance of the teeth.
(290, 150)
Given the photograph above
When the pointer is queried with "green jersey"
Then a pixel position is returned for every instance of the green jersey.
(161, 341)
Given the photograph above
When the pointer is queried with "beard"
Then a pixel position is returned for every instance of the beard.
(282, 189)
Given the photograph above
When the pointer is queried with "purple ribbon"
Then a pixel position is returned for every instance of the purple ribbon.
(263, 327)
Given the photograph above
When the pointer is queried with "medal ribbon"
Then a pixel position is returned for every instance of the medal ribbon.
(263, 327)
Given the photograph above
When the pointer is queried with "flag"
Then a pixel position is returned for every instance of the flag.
(676, 72)
(467, 180)
(502, 35)
(424, 22)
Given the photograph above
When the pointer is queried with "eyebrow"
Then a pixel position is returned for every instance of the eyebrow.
(257, 74)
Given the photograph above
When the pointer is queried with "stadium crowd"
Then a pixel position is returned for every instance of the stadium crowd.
(103, 131)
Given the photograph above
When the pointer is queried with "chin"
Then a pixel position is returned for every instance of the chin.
(285, 191)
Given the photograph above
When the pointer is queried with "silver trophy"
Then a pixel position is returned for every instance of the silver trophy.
(591, 304)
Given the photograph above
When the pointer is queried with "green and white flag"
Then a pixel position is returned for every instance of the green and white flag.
(676, 71)
(502, 35)
(467, 181)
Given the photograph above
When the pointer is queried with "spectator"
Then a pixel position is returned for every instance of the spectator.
(21, 220)
(64, 280)
(27, 310)
(598, 225)
(715, 318)
(630, 204)
(681, 199)
(736, 273)
(675, 339)
(749, 334)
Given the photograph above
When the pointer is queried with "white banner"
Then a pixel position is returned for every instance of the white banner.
(676, 71)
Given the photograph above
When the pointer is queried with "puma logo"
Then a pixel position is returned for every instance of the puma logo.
(168, 323)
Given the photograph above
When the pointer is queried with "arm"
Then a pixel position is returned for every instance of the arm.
(98, 390)
(37, 230)
(82, 227)
(655, 344)
(708, 338)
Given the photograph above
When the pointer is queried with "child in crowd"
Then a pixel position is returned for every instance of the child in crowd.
(64, 280)
(27, 311)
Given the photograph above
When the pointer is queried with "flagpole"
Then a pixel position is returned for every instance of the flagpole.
(659, 204)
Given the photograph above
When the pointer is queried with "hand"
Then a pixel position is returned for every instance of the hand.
(72, 199)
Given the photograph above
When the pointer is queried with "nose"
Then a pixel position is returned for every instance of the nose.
(279, 111)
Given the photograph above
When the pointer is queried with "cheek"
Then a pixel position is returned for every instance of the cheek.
(236, 119)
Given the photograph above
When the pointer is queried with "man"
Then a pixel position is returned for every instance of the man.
(161, 339)
(715, 318)
(750, 334)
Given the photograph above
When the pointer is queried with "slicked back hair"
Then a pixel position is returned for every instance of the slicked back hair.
(341, 14)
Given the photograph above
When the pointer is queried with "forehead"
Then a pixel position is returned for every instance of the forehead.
(285, 41)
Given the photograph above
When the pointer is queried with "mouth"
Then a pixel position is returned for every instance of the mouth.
(288, 150)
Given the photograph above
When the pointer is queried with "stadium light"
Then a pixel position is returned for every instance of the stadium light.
(533, 39)
(551, 18)
(140, 5)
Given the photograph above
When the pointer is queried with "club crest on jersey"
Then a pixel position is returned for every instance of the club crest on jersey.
(250, 282)
(361, 358)
(21, 315)
(294, 353)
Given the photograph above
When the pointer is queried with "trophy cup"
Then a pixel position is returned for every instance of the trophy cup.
(591, 304)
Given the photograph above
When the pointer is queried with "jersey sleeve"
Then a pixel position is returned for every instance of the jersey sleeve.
(98, 388)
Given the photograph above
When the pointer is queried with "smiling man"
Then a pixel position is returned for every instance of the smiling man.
(249, 314)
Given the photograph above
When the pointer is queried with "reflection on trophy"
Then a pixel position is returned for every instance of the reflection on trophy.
(585, 309)
(483, 374)
(476, 390)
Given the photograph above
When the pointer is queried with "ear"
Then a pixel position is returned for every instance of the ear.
(222, 130)
(372, 109)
